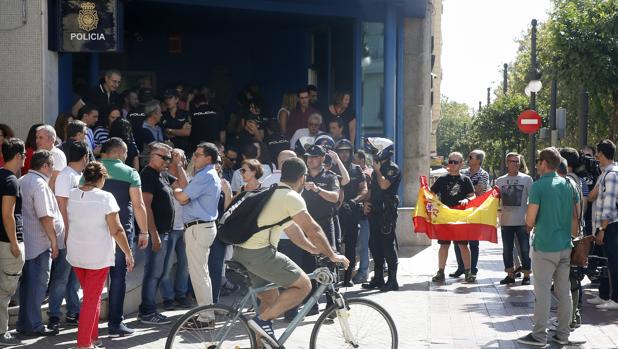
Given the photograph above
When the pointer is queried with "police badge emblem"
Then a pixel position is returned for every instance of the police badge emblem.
(88, 18)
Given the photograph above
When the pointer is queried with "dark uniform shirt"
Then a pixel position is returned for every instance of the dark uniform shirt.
(206, 124)
(317, 207)
(176, 123)
(136, 117)
(99, 97)
(379, 197)
(159, 185)
(357, 177)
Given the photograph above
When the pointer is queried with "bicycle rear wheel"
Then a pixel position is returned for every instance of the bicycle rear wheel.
(228, 331)
(367, 325)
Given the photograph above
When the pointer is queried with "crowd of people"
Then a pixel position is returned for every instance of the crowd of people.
(574, 196)
(124, 171)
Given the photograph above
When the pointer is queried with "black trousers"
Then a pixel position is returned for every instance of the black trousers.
(349, 219)
(382, 244)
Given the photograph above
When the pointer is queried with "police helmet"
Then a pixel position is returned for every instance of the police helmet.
(325, 141)
(380, 148)
(344, 144)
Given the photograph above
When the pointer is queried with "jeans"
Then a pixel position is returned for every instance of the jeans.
(215, 266)
(363, 248)
(474, 256)
(10, 270)
(509, 234)
(32, 288)
(179, 287)
(610, 248)
(117, 287)
(153, 272)
(59, 286)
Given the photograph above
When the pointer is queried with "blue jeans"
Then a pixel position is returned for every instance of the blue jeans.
(32, 288)
(59, 286)
(177, 289)
(474, 256)
(610, 247)
(117, 287)
(215, 267)
(363, 248)
(153, 272)
(509, 234)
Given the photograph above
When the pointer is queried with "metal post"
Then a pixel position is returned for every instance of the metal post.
(532, 137)
(552, 108)
(505, 79)
(390, 67)
(480, 105)
(583, 119)
(488, 95)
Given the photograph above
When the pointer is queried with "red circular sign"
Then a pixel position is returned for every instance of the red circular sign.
(529, 121)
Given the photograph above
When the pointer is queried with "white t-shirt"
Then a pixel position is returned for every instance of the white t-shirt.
(60, 160)
(90, 245)
(514, 198)
(67, 179)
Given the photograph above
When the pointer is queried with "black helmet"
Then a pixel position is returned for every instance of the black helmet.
(344, 144)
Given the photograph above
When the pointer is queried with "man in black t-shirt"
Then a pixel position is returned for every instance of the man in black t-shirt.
(158, 198)
(452, 190)
(207, 123)
(11, 232)
(176, 122)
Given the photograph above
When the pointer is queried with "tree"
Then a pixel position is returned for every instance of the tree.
(453, 125)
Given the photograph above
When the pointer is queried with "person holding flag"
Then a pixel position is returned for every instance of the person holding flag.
(454, 189)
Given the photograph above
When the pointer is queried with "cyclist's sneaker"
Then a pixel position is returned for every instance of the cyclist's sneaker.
(265, 329)
(154, 319)
(120, 330)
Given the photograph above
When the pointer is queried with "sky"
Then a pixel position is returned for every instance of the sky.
(478, 37)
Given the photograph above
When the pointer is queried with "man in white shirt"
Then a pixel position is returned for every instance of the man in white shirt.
(46, 139)
(313, 130)
(62, 280)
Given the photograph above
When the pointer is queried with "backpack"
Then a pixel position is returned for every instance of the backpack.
(239, 222)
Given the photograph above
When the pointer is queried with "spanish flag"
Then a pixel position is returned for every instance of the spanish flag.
(476, 221)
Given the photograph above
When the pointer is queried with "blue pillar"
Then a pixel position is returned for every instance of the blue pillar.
(329, 68)
(93, 73)
(357, 93)
(390, 67)
(65, 82)
(399, 148)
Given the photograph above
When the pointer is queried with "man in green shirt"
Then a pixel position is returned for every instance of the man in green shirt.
(552, 205)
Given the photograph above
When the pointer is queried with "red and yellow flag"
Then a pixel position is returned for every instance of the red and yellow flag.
(476, 221)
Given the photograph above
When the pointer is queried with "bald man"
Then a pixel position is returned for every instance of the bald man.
(274, 177)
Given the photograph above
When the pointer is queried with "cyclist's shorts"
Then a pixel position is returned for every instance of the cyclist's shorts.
(266, 265)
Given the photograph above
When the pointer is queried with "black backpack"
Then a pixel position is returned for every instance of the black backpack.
(239, 222)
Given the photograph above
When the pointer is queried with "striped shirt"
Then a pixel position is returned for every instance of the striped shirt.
(606, 200)
(101, 134)
(479, 178)
(38, 201)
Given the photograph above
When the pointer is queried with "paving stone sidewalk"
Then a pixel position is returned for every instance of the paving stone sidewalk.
(452, 315)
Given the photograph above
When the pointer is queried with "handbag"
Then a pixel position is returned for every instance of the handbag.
(581, 249)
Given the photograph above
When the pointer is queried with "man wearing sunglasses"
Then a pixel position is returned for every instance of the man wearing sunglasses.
(453, 189)
(158, 197)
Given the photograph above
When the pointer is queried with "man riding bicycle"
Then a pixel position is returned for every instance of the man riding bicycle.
(265, 265)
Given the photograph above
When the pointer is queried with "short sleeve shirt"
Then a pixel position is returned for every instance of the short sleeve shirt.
(9, 186)
(60, 160)
(318, 207)
(67, 180)
(159, 185)
(555, 197)
(452, 189)
(391, 172)
(121, 179)
(284, 203)
(89, 244)
(206, 124)
(356, 178)
(514, 198)
(479, 178)
(176, 123)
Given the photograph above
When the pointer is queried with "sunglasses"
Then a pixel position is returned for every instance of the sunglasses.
(453, 162)
(164, 157)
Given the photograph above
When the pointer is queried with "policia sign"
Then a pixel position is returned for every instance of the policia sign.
(85, 26)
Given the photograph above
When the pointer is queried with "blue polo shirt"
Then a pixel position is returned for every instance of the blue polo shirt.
(204, 190)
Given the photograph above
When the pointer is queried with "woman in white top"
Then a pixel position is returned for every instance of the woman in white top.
(94, 224)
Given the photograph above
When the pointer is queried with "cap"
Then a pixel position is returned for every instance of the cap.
(315, 150)
(170, 93)
(344, 144)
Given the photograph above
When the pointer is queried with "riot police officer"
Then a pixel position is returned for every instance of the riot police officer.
(383, 202)
(350, 211)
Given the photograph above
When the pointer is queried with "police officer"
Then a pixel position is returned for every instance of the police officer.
(383, 202)
(350, 210)
(176, 122)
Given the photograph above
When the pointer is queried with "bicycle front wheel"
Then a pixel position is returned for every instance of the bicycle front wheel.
(229, 330)
(364, 324)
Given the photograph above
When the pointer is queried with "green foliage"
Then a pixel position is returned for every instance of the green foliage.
(454, 122)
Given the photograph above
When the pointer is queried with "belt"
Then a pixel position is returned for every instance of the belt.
(199, 221)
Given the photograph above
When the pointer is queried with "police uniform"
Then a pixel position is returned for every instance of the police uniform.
(320, 209)
(176, 123)
(382, 221)
(350, 215)
(206, 124)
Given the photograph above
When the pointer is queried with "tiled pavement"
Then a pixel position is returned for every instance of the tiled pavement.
(453, 315)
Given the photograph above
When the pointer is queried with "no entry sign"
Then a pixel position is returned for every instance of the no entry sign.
(529, 121)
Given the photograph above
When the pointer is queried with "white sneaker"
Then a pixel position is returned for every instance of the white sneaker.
(609, 305)
(596, 300)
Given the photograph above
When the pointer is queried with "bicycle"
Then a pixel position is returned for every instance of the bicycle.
(362, 323)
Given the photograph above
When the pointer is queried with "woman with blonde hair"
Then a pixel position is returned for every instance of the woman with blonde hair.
(94, 224)
(290, 99)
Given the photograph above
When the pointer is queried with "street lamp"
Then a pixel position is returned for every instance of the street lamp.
(534, 86)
